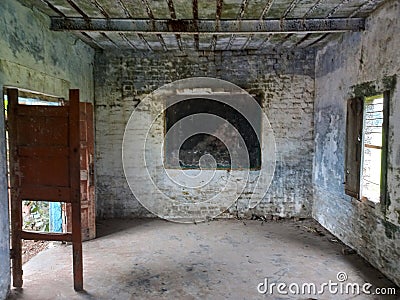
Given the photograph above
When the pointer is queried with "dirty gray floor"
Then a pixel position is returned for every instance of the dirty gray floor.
(224, 259)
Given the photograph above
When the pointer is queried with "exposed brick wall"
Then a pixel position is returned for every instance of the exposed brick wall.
(283, 80)
(358, 58)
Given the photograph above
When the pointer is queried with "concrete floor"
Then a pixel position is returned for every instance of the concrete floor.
(224, 259)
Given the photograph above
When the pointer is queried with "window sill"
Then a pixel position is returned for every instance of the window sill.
(369, 202)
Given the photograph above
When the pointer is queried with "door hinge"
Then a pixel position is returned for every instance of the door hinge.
(12, 254)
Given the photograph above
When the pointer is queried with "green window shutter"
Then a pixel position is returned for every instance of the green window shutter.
(354, 137)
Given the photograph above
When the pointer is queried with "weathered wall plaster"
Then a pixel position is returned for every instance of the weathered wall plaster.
(32, 57)
(354, 59)
(284, 81)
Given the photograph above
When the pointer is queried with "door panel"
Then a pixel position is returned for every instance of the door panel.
(88, 209)
(44, 166)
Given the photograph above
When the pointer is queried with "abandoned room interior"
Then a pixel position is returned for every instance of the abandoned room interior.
(204, 149)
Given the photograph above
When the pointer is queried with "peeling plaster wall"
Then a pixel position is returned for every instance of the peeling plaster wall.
(358, 58)
(33, 57)
(284, 81)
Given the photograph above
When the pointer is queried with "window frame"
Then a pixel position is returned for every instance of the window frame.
(355, 145)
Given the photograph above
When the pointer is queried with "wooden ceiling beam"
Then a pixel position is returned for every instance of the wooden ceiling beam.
(158, 26)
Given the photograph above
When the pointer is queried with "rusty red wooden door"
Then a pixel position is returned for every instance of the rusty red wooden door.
(88, 210)
(44, 166)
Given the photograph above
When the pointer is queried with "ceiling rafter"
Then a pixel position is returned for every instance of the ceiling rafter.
(264, 12)
(91, 41)
(148, 9)
(297, 40)
(213, 43)
(171, 8)
(242, 9)
(230, 42)
(303, 39)
(336, 8)
(179, 41)
(145, 42)
(318, 40)
(360, 8)
(83, 35)
(124, 8)
(285, 38)
(291, 6)
(100, 8)
(108, 38)
(313, 8)
(77, 8)
(51, 6)
(214, 27)
(266, 40)
(239, 17)
(218, 13)
(151, 16)
(162, 42)
(266, 9)
(246, 43)
(195, 10)
(125, 38)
